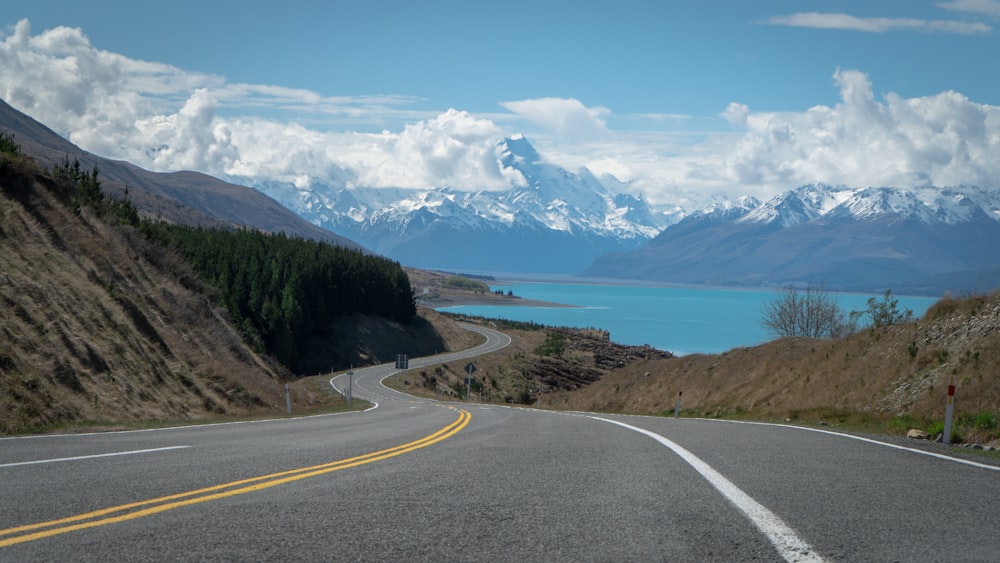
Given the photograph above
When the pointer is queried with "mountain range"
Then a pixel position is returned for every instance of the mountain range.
(550, 220)
(922, 241)
(927, 240)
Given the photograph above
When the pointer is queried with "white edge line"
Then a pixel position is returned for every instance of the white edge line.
(193, 426)
(863, 439)
(782, 537)
(76, 458)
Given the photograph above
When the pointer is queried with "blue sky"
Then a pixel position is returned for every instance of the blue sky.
(684, 100)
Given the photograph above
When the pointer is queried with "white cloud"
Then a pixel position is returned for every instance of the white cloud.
(984, 7)
(454, 149)
(821, 20)
(165, 118)
(941, 140)
(567, 120)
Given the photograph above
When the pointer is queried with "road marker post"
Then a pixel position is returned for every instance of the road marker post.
(350, 386)
(677, 407)
(949, 410)
(288, 400)
(470, 368)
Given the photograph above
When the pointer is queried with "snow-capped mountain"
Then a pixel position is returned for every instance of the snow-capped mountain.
(923, 240)
(928, 205)
(551, 220)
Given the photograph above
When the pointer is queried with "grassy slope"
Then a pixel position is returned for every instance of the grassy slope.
(900, 372)
(97, 325)
(886, 380)
(100, 327)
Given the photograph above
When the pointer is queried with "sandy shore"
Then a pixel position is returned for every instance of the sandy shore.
(460, 298)
(433, 290)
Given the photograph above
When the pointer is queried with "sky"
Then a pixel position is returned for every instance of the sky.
(683, 101)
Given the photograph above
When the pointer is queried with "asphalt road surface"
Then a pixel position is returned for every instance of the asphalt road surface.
(418, 480)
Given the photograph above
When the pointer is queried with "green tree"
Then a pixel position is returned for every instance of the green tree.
(8, 146)
(281, 290)
(885, 312)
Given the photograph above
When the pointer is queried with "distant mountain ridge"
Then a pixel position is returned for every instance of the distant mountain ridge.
(551, 220)
(923, 240)
(185, 197)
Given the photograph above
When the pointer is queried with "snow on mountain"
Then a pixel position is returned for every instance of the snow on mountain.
(573, 214)
(927, 205)
(923, 240)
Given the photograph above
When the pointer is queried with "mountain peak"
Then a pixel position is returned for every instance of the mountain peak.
(517, 149)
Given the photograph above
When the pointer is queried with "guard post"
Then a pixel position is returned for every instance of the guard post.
(949, 410)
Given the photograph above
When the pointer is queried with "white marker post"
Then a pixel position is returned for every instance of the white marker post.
(949, 410)
(677, 407)
(350, 386)
(470, 368)
(288, 400)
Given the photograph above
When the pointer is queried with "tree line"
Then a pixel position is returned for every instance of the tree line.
(281, 291)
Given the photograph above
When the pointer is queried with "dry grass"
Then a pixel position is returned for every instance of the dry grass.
(887, 380)
(98, 325)
(892, 378)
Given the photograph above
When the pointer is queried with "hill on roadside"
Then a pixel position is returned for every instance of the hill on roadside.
(184, 197)
(100, 325)
(887, 379)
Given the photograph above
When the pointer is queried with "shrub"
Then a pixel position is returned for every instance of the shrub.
(8, 146)
(554, 345)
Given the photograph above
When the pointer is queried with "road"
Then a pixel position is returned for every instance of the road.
(424, 481)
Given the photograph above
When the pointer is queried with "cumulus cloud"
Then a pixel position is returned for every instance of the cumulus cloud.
(165, 118)
(939, 140)
(566, 119)
(454, 149)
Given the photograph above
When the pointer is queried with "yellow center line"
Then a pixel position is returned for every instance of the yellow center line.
(121, 513)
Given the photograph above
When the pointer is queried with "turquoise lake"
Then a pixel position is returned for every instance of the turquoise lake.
(679, 320)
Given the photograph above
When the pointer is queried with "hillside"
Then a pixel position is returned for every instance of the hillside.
(100, 325)
(188, 198)
(893, 378)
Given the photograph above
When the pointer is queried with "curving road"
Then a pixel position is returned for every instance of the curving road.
(419, 480)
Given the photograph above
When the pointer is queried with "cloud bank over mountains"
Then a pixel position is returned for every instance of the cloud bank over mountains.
(166, 118)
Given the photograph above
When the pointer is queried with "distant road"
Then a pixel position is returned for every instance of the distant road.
(418, 480)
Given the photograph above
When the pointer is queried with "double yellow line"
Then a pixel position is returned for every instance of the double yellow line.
(132, 511)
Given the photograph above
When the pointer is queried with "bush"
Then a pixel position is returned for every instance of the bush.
(459, 282)
(886, 312)
(554, 345)
(8, 146)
